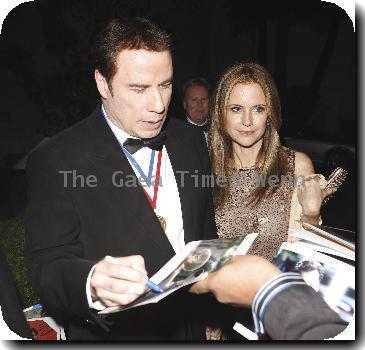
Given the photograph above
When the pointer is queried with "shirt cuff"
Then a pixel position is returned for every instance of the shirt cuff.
(97, 305)
(268, 292)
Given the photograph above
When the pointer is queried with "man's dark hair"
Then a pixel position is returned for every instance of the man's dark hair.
(126, 34)
(195, 82)
(309, 265)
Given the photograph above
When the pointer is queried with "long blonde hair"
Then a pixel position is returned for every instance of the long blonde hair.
(220, 144)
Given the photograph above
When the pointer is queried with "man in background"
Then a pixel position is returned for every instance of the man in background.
(196, 93)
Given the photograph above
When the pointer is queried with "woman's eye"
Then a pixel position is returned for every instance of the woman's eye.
(235, 109)
(259, 109)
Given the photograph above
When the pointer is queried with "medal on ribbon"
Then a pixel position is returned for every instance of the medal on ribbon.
(152, 201)
(162, 221)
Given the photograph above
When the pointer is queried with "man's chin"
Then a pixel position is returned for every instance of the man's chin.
(199, 121)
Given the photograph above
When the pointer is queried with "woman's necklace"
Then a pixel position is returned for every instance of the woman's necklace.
(241, 167)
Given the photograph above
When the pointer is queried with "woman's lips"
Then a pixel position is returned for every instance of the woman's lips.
(246, 133)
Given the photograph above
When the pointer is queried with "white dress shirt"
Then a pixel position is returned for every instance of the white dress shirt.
(168, 200)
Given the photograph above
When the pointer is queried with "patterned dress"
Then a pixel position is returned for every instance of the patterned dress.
(269, 218)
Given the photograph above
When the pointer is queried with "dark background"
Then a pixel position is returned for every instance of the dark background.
(308, 46)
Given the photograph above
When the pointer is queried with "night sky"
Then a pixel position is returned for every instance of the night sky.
(308, 46)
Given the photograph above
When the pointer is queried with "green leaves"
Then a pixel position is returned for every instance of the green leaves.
(12, 237)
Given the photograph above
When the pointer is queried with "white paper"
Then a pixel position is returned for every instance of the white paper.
(241, 329)
(322, 244)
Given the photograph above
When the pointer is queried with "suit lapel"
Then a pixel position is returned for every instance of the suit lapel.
(108, 158)
(177, 151)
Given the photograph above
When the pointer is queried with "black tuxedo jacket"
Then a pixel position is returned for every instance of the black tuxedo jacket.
(71, 225)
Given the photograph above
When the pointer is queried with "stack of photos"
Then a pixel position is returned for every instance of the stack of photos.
(333, 279)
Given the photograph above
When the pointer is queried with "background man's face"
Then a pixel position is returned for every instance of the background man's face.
(141, 91)
(196, 103)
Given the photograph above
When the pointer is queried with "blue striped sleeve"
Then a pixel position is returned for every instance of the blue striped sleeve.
(268, 292)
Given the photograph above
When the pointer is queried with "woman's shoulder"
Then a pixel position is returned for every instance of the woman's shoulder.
(303, 164)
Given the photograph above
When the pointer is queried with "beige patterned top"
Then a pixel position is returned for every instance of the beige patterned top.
(270, 218)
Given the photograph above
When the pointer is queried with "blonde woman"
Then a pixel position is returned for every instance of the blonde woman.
(256, 175)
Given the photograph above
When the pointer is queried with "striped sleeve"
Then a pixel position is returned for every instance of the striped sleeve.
(268, 292)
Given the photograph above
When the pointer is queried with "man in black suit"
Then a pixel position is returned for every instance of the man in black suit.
(92, 192)
(283, 305)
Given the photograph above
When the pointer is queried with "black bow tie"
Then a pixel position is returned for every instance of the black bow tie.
(156, 143)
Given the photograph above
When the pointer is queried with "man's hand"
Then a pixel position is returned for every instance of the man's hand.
(238, 281)
(118, 281)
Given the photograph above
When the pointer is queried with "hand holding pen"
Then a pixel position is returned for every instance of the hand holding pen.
(154, 287)
(118, 281)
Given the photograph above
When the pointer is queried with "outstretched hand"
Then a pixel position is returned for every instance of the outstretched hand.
(311, 194)
(238, 281)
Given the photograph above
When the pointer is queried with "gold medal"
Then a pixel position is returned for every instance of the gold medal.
(162, 222)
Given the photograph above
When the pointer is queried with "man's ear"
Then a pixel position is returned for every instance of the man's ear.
(101, 84)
